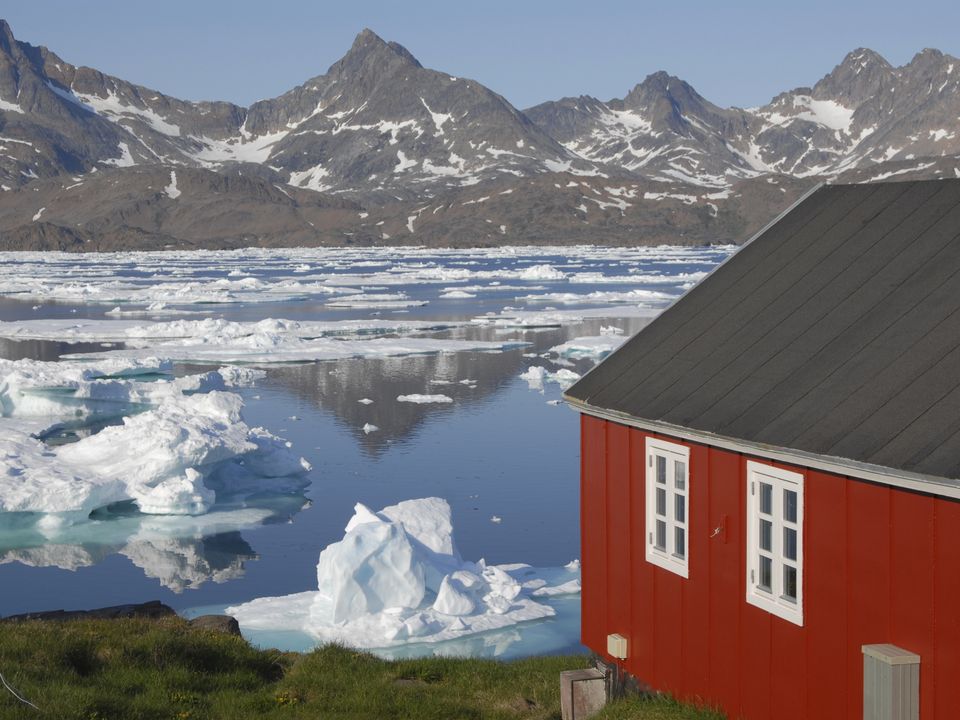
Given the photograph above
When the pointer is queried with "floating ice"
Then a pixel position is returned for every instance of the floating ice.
(595, 347)
(537, 375)
(263, 349)
(206, 331)
(648, 297)
(169, 445)
(424, 399)
(384, 301)
(510, 318)
(211, 341)
(396, 577)
(162, 280)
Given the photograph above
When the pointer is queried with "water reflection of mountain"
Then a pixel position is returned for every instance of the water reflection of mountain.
(181, 552)
(339, 386)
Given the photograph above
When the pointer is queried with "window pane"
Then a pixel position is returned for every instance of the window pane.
(766, 498)
(679, 542)
(680, 508)
(679, 474)
(661, 543)
(766, 535)
(790, 506)
(766, 573)
(790, 543)
(661, 502)
(661, 470)
(790, 582)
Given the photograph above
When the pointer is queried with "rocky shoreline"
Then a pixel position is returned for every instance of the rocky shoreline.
(150, 610)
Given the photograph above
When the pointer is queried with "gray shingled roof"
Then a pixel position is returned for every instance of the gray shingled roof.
(835, 332)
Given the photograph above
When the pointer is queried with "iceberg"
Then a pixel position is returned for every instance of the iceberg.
(168, 445)
(595, 347)
(537, 375)
(421, 399)
(397, 577)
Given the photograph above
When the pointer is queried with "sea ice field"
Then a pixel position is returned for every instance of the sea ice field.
(365, 445)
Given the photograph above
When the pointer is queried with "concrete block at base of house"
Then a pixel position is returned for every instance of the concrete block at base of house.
(583, 693)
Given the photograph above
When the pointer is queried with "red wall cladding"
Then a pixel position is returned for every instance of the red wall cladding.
(880, 565)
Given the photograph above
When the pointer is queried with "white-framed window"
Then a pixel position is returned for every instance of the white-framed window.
(775, 541)
(667, 492)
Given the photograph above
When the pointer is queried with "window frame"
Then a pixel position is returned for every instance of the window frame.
(666, 557)
(774, 600)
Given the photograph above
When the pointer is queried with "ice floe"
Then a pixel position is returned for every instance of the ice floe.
(215, 340)
(638, 296)
(169, 445)
(537, 375)
(424, 399)
(264, 348)
(529, 319)
(396, 577)
(161, 283)
(595, 347)
(207, 330)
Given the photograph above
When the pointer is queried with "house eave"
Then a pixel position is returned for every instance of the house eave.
(916, 482)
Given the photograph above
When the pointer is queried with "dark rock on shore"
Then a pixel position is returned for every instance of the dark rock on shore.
(217, 623)
(153, 610)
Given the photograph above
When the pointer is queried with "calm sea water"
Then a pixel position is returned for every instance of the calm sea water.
(501, 449)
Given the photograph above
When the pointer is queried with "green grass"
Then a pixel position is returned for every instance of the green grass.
(165, 670)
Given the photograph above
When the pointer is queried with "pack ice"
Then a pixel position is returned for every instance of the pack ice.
(169, 444)
(396, 577)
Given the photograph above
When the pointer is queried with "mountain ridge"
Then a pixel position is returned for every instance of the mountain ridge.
(367, 150)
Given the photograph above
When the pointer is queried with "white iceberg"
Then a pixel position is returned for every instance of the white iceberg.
(537, 375)
(396, 577)
(169, 445)
(421, 399)
(595, 347)
(532, 319)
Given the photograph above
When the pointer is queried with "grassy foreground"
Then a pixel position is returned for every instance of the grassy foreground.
(162, 669)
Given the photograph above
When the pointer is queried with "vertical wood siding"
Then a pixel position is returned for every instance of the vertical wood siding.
(880, 565)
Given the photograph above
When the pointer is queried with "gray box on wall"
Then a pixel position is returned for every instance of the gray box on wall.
(891, 683)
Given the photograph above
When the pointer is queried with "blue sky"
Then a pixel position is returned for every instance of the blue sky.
(529, 51)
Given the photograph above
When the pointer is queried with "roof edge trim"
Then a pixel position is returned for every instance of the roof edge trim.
(929, 484)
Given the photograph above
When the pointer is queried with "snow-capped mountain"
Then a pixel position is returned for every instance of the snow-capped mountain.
(382, 150)
(377, 123)
(864, 113)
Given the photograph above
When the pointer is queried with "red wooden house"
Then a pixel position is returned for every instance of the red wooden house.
(770, 468)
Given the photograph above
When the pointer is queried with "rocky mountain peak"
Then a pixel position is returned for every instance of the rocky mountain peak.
(8, 43)
(927, 56)
(862, 59)
(861, 75)
(661, 85)
(928, 63)
(368, 46)
(668, 101)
